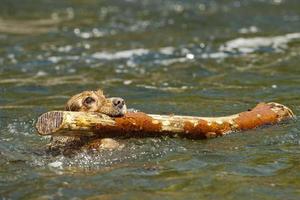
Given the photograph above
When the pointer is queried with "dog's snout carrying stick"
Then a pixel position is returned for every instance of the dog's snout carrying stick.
(141, 124)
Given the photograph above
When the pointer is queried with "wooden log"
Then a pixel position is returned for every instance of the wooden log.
(138, 124)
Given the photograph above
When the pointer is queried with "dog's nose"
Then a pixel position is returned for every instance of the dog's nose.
(119, 102)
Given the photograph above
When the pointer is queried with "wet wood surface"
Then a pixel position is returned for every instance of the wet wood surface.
(139, 124)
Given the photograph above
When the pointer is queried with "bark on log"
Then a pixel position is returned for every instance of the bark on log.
(138, 124)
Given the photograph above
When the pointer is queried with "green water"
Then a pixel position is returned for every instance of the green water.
(202, 58)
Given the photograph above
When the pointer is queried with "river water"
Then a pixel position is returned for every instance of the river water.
(204, 58)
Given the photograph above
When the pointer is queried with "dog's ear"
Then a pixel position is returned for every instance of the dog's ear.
(99, 92)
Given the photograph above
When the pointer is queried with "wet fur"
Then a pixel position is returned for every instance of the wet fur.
(97, 102)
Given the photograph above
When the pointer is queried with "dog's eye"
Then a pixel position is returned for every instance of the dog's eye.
(89, 100)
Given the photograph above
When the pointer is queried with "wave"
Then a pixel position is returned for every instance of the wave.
(250, 45)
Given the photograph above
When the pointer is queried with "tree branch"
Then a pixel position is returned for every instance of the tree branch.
(144, 125)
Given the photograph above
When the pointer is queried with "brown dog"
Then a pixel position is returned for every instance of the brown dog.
(95, 101)
(89, 101)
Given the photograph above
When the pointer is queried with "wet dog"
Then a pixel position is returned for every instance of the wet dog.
(88, 101)
(95, 101)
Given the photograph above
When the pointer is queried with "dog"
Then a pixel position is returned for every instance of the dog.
(95, 101)
(89, 101)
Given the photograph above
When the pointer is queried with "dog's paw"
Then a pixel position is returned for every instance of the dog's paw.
(104, 144)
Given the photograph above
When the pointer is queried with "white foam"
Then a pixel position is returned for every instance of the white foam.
(56, 164)
(54, 59)
(95, 33)
(130, 53)
(41, 73)
(216, 55)
(190, 56)
(167, 50)
(247, 30)
(250, 45)
(239, 45)
(66, 48)
(120, 54)
(127, 82)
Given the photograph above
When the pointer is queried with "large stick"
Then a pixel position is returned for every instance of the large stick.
(140, 124)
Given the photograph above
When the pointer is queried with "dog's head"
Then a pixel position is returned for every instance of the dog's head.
(95, 101)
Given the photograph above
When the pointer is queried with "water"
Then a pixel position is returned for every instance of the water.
(202, 58)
